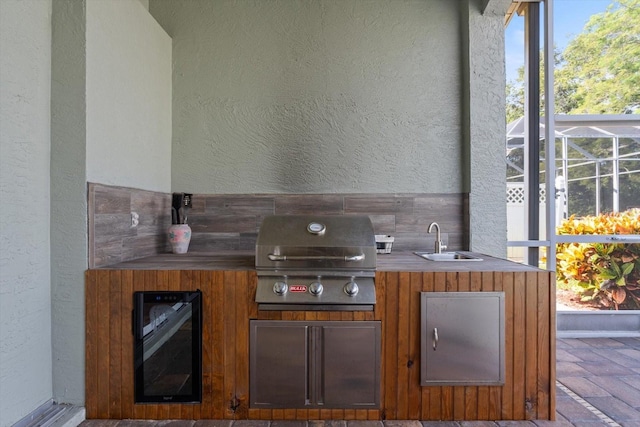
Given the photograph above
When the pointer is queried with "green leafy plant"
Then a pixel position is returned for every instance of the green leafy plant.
(607, 273)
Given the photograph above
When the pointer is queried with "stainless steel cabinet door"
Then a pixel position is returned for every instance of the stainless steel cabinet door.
(278, 364)
(318, 364)
(351, 364)
(462, 338)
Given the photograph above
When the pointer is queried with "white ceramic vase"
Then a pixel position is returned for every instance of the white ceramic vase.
(179, 237)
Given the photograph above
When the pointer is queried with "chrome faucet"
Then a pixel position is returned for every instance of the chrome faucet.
(439, 246)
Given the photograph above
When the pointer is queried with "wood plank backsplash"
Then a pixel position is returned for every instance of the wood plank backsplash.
(112, 239)
(230, 222)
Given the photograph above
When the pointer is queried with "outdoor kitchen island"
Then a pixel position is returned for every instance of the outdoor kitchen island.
(228, 285)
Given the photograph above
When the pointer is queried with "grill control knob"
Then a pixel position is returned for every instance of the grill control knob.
(316, 287)
(351, 288)
(280, 288)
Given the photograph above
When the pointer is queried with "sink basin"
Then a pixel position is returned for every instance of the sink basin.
(447, 256)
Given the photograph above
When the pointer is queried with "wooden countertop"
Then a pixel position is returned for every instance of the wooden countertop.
(395, 261)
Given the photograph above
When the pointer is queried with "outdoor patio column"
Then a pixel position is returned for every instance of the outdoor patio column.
(484, 130)
(532, 129)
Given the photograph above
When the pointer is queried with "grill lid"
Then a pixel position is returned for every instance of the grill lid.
(316, 242)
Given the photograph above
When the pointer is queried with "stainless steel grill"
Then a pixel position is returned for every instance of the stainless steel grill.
(312, 262)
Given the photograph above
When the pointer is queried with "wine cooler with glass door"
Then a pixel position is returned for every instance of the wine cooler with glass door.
(167, 329)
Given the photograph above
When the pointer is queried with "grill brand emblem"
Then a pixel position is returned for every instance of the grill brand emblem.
(298, 288)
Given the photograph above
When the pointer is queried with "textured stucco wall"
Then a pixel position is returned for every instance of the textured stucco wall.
(297, 96)
(485, 125)
(128, 97)
(111, 123)
(25, 279)
(68, 198)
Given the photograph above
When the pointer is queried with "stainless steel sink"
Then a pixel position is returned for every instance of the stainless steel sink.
(448, 256)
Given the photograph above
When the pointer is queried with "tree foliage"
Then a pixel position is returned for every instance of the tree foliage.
(597, 73)
(599, 70)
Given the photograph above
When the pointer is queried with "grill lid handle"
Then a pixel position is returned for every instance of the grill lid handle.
(346, 258)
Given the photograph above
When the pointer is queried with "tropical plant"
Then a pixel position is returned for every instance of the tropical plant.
(606, 273)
